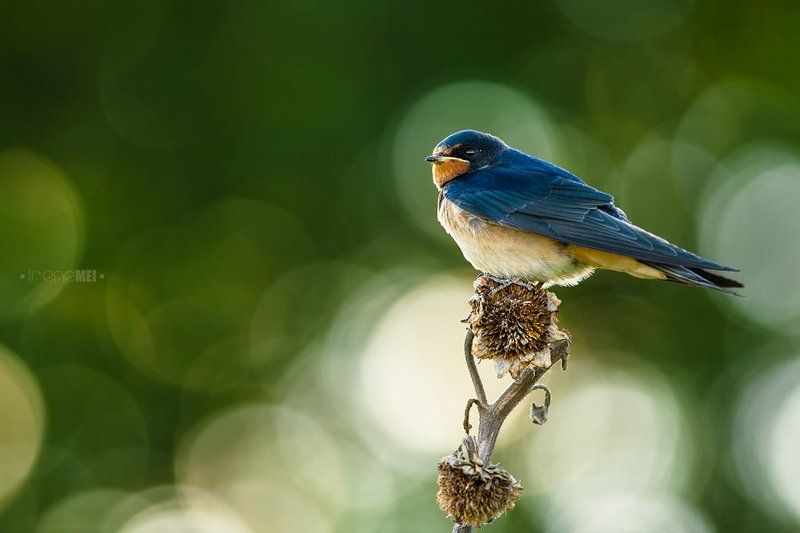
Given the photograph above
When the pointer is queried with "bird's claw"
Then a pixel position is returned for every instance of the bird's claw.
(503, 282)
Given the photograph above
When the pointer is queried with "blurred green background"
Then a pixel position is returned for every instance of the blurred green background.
(270, 340)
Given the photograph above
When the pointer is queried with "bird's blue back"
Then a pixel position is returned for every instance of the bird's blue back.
(529, 194)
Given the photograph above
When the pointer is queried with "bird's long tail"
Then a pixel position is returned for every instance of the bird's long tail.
(698, 277)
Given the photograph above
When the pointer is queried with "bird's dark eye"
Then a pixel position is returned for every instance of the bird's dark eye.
(470, 151)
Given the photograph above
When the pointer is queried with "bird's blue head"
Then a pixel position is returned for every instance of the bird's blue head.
(461, 152)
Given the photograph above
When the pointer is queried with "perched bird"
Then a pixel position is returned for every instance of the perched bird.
(519, 218)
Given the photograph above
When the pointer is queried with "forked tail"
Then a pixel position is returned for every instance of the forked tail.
(698, 277)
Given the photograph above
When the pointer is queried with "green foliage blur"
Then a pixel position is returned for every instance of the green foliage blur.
(226, 304)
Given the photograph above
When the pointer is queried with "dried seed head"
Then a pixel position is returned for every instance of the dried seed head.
(514, 326)
(472, 493)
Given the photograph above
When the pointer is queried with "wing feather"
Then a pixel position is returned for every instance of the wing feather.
(532, 195)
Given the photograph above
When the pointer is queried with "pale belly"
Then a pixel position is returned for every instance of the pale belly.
(507, 252)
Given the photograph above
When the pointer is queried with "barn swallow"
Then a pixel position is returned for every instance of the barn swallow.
(518, 217)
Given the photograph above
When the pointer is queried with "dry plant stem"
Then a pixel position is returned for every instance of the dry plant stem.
(492, 416)
(458, 528)
(473, 373)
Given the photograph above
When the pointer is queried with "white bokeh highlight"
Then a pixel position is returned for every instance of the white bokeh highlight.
(626, 511)
(473, 104)
(747, 220)
(413, 379)
(254, 454)
(615, 455)
(21, 423)
(766, 439)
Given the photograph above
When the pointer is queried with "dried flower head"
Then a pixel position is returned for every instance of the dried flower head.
(472, 493)
(513, 325)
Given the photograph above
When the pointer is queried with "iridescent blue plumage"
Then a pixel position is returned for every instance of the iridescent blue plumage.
(509, 188)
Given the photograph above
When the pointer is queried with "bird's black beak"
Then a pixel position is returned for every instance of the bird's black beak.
(437, 159)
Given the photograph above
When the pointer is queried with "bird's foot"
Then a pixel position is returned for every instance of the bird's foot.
(503, 282)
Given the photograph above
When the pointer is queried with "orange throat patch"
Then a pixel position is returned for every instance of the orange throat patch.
(447, 170)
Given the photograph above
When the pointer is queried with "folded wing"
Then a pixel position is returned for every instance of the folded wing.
(538, 197)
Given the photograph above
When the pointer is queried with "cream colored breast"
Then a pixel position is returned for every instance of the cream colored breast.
(505, 251)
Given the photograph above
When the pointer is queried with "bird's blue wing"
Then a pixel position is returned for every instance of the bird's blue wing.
(535, 196)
